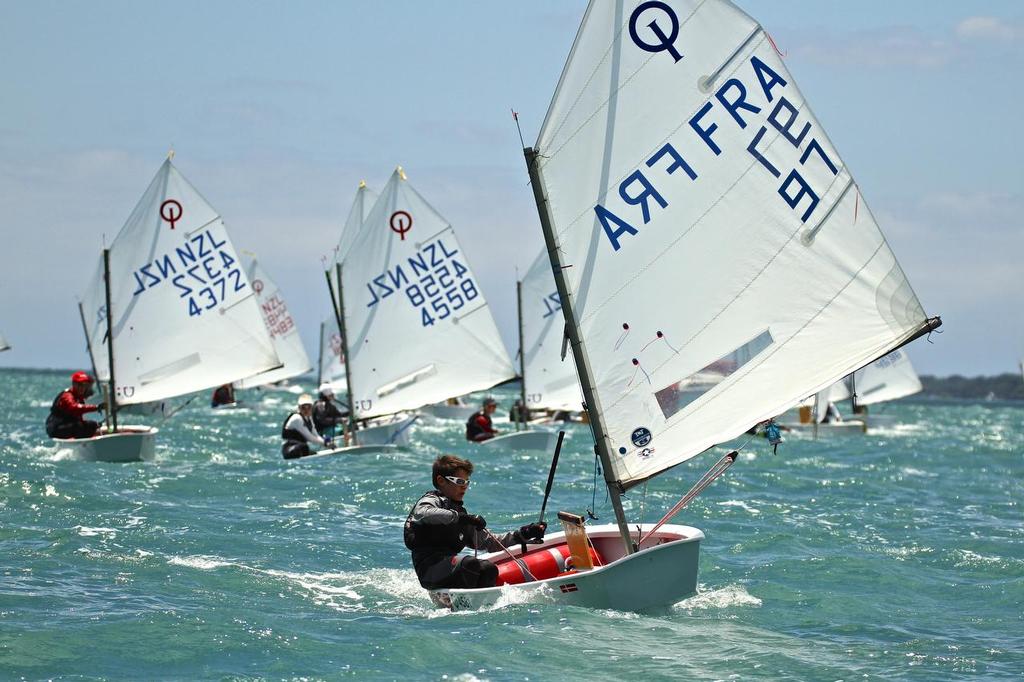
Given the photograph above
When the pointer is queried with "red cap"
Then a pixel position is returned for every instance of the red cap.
(81, 378)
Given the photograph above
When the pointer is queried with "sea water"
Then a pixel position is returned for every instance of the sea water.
(895, 554)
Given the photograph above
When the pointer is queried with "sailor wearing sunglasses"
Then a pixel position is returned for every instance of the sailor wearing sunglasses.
(438, 528)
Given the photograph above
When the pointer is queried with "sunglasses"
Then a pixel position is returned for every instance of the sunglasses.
(457, 481)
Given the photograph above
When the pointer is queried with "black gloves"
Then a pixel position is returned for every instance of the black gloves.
(474, 520)
(533, 531)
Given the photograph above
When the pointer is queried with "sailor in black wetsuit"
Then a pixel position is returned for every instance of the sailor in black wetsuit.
(479, 427)
(298, 431)
(438, 528)
(326, 414)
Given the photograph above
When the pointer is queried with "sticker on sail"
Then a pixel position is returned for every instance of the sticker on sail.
(641, 437)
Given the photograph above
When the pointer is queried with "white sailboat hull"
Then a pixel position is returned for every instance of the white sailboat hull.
(442, 411)
(663, 573)
(129, 444)
(352, 450)
(537, 439)
(395, 432)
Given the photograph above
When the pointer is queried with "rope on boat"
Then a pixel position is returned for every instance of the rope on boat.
(707, 479)
(399, 432)
(519, 562)
(177, 410)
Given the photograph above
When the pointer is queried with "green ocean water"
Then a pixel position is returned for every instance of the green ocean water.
(899, 554)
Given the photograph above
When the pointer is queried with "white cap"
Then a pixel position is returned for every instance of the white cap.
(325, 389)
(305, 399)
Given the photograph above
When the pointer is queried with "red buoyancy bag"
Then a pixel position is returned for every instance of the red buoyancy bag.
(542, 563)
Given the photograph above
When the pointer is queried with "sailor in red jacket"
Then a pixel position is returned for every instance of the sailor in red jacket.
(479, 427)
(65, 420)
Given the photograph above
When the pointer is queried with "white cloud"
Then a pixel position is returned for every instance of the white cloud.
(989, 28)
(892, 46)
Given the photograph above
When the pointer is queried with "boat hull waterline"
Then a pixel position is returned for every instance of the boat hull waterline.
(395, 432)
(130, 444)
(353, 450)
(662, 573)
(539, 439)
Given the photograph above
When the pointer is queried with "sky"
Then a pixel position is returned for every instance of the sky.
(277, 110)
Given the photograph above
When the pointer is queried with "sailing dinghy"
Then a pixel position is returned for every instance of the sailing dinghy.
(388, 431)
(169, 311)
(891, 377)
(688, 196)
(281, 328)
(414, 324)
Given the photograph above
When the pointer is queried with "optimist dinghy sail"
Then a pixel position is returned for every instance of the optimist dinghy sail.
(332, 364)
(549, 381)
(419, 329)
(890, 377)
(184, 316)
(281, 327)
(714, 258)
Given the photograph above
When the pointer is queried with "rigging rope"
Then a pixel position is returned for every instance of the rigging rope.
(707, 479)
(519, 562)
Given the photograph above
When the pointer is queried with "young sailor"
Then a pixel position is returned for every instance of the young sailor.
(223, 395)
(438, 528)
(479, 427)
(326, 415)
(65, 419)
(298, 431)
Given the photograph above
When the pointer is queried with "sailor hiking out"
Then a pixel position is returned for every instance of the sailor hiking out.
(439, 527)
(65, 419)
(299, 432)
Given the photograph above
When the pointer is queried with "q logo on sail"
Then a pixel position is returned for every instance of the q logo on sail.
(666, 42)
(401, 222)
(171, 212)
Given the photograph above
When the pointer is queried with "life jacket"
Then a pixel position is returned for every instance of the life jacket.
(473, 428)
(292, 434)
(440, 538)
(58, 417)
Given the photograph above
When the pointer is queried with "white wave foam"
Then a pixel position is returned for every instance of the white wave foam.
(203, 563)
(305, 504)
(87, 532)
(741, 504)
(723, 598)
(910, 471)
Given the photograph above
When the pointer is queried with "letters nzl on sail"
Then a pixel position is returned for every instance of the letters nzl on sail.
(433, 280)
(754, 100)
(204, 270)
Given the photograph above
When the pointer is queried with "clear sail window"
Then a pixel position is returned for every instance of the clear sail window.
(678, 395)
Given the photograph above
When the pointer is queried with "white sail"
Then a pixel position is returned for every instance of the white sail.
(419, 328)
(551, 382)
(890, 377)
(280, 326)
(184, 315)
(361, 205)
(3, 344)
(332, 364)
(720, 260)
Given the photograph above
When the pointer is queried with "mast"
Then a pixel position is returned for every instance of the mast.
(339, 315)
(111, 396)
(522, 359)
(320, 357)
(579, 356)
(92, 360)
